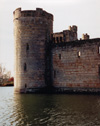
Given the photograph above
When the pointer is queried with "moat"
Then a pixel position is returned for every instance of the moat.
(48, 110)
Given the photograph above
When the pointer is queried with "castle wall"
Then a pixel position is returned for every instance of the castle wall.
(32, 30)
(50, 61)
(66, 35)
(76, 65)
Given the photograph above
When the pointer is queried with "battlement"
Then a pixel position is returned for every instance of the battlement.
(73, 28)
(85, 36)
(66, 35)
(39, 12)
(76, 43)
(53, 62)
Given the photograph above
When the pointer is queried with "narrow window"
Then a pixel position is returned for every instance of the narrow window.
(79, 54)
(54, 74)
(60, 39)
(64, 37)
(25, 85)
(54, 40)
(27, 47)
(59, 56)
(99, 70)
(25, 67)
(57, 39)
(99, 49)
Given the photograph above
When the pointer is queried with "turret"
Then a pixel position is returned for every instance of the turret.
(85, 36)
(32, 30)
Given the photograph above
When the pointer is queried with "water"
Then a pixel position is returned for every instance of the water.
(48, 110)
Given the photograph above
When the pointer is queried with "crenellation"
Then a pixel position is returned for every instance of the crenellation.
(85, 36)
(34, 29)
(53, 62)
(66, 35)
(18, 13)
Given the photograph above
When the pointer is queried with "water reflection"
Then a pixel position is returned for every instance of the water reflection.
(48, 110)
(34, 109)
(58, 110)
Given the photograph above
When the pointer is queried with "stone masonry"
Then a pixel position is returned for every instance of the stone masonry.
(53, 62)
(66, 35)
(76, 66)
(32, 31)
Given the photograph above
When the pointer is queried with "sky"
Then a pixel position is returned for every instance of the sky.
(83, 13)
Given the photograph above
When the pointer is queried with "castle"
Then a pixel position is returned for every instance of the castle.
(53, 62)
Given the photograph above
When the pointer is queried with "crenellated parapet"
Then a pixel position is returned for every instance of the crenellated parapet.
(39, 12)
(73, 28)
(85, 36)
(47, 62)
(66, 35)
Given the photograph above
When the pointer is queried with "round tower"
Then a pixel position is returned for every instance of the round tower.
(32, 32)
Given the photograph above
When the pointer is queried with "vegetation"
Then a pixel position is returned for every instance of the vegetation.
(5, 77)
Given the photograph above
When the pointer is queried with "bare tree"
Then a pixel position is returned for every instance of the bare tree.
(4, 74)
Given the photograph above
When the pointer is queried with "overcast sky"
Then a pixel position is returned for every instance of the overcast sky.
(83, 13)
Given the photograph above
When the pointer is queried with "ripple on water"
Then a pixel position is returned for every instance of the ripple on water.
(48, 110)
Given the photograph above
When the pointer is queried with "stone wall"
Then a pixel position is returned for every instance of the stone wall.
(32, 32)
(66, 35)
(53, 61)
(76, 65)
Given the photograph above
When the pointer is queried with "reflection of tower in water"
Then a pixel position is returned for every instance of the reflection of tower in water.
(33, 109)
(54, 110)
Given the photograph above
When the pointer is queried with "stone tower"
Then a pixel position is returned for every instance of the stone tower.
(32, 31)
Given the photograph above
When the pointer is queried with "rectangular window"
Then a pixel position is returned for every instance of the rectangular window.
(60, 39)
(79, 53)
(59, 56)
(57, 39)
(99, 49)
(27, 47)
(53, 39)
(99, 70)
(25, 67)
(54, 74)
(64, 38)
